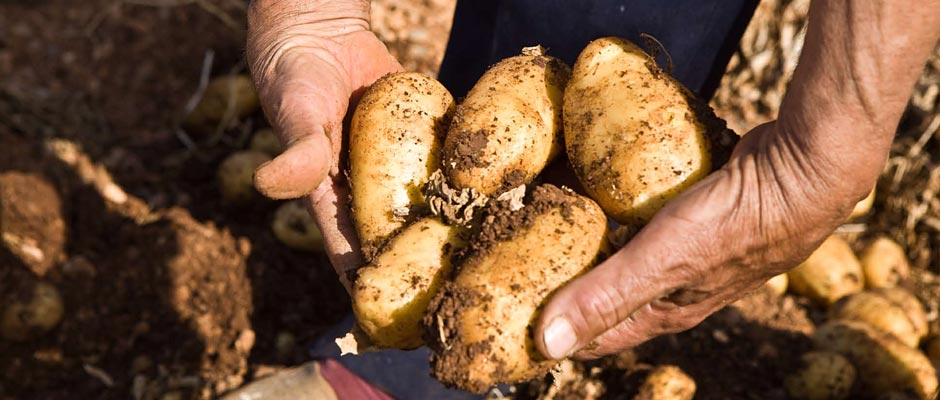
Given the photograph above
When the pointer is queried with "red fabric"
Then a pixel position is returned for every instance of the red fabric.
(347, 385)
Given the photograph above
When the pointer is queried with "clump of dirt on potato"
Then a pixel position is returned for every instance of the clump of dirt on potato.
(480, 324)
(453, 206)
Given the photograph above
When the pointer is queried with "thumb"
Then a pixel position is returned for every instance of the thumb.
(305, 103)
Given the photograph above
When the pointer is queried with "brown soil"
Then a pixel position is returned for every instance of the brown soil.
(170, 292)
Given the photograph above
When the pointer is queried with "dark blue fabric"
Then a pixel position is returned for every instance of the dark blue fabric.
(700, 35)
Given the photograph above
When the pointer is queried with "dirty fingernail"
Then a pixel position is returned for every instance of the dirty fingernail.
(559, 338)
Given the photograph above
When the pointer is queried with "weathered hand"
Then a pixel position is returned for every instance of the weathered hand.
(756, 217)
(787, 186)
(310, 61)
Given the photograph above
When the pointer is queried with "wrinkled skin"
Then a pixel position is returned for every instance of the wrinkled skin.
(789, 184)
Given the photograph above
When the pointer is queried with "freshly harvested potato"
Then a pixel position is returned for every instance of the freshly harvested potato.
(26, 318)
(226, 100)
(509, 125)
(480, 325)
(294, 227)
(831, 272)
(898, 313)
(884, 263)
(777, 285)
(635, 136)
(667, 382)
(265, 141)
(236, 175)
(394, 146)
(823, 375)
(883, 362)
(392, 293)
(864, 206)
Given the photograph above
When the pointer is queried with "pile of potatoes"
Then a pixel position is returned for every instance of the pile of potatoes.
(463, 238)
(870, 340)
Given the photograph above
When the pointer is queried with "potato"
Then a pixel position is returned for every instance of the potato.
(236, 175)
(265, 141)
(635, 136)
(667, 382)
(823, 375)
(293, 226)
(905, 320)
(509, 125)
(226, 100)
(777, 285)
(863, 206)
(392, 293)
(394, 146)
(884, 263)
(831, 272)
(25, 318)
(480, 325)
(884, 363)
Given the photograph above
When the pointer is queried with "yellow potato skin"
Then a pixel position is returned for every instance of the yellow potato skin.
(667, 382)
(884, 263)
(823, 375)
(884, 364)
(892, 314)
(486, 316)
(634, 135)
(390, 295)
(395, 139)
(830, 273)
(509, 126)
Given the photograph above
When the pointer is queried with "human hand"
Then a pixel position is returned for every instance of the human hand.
(788, 185)
(310, 61)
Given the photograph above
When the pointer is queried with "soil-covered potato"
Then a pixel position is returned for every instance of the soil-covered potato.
(392, 293)
(226, 100)
(884, 263)
(509, 125)
(265, 141)
(236, 175)
(23, 319)
(394, 146)
(480, 325)
(894, 311)
(295, 227)
(823, 375)
(667, 382)
(830, 273)
(635, 136)
(883, 362)
(778, 284)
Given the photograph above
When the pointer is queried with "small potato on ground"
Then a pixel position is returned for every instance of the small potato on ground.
(24, 319)
(236, 175)
(830, 273)
(265, 141)
(884, 363)
(884, 263)
(667, 382)
(894, 311)
(226, 100)
(294, 226)
(823, 375)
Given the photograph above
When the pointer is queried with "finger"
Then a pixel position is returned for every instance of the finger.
(331, 214)
(296, 171)
(305, 103)
(651, 320)
(670, 253)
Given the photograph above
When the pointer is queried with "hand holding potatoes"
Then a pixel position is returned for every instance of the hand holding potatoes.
(305, 82)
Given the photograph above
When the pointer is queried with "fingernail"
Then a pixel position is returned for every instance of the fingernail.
(559, 338)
